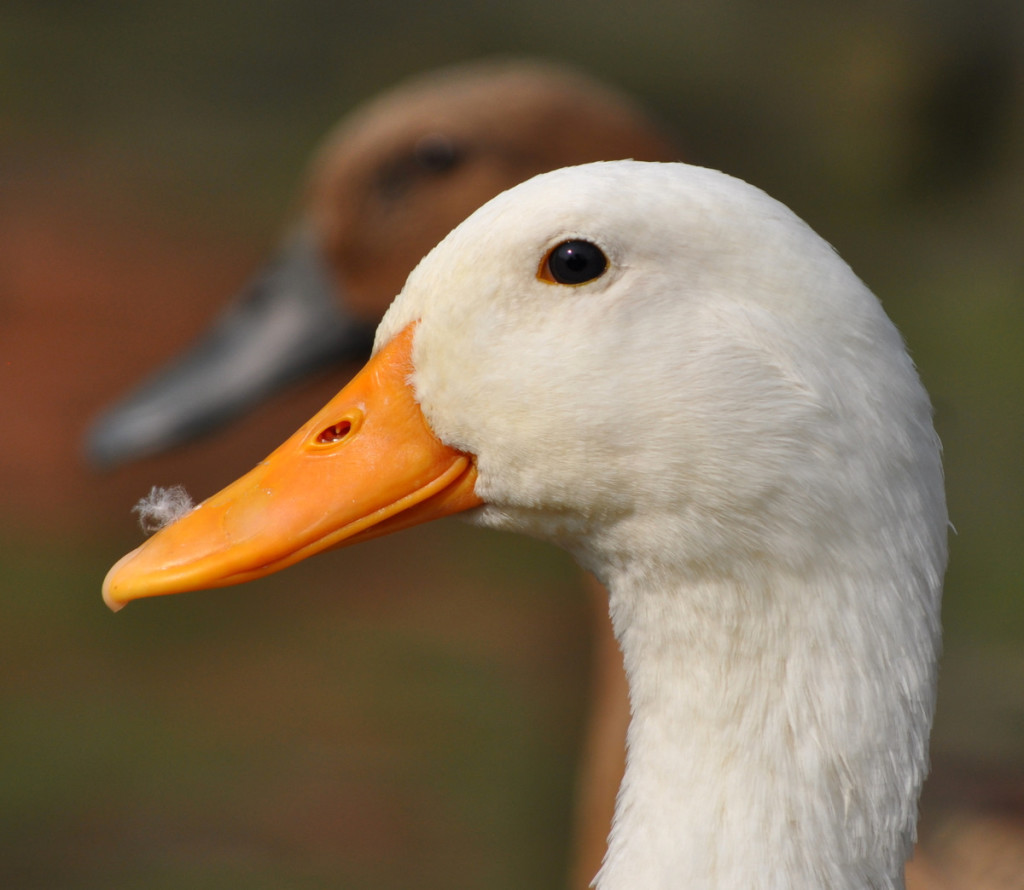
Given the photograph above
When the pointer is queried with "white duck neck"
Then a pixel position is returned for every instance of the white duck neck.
(779, 732)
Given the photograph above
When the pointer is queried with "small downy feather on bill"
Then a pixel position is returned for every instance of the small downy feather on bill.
(162, 506)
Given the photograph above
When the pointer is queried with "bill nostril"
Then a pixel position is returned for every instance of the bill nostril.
(335, 433)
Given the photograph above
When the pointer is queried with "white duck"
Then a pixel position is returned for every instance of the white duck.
(665, 371)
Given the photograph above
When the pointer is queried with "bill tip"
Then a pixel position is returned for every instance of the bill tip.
(110, 596)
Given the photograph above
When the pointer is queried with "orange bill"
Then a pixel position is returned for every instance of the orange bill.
(367, 464)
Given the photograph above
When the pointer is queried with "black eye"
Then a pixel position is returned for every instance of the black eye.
(573, 262)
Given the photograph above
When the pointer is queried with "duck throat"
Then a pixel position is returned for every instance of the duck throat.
(779, 732)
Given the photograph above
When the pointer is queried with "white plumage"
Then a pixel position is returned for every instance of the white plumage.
(726, 428)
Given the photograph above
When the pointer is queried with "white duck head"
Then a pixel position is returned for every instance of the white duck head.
(665, 371)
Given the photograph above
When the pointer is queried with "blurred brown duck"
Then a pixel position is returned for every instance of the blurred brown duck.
(392, 179)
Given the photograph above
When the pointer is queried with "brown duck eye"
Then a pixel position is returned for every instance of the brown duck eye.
(432, 156)
(573, 262)
(437, 153)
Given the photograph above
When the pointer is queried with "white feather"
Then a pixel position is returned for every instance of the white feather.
(162, 506)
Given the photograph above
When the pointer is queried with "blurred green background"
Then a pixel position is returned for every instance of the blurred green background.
(408, 712)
